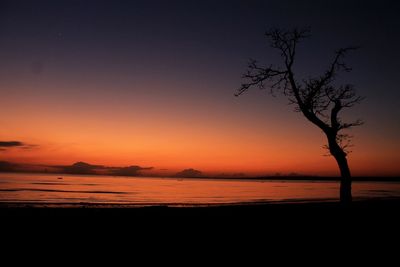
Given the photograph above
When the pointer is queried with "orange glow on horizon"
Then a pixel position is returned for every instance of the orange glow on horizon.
(199, 134)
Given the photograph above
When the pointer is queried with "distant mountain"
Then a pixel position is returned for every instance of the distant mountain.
(129, 171)
(81, 168)
(190, 173)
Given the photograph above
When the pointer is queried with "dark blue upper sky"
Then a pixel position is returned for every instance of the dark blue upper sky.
(212, 37)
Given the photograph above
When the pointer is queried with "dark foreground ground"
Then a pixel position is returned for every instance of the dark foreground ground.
(262, 230)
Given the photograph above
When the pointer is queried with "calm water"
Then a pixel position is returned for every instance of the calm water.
(45, 188)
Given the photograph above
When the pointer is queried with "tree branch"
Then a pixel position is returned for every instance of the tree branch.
(317, 98)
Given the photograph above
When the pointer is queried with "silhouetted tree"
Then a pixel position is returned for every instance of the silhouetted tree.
(318, 98)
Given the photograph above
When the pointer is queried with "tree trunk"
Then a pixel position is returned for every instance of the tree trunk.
(345, 182)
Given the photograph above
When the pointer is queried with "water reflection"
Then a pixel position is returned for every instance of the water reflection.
(106, 189)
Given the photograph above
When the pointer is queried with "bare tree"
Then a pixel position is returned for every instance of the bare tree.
(319, 99)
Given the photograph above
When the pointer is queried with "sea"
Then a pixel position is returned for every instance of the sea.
(147, 191)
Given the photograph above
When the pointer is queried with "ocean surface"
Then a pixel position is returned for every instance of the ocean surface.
(57, 188)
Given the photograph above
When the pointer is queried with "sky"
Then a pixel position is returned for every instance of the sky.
(152, 83)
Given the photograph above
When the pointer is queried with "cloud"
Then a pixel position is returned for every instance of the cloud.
(11, 143)
(86, 168)
(129, 171)
(6, 166)
(4, 145)
(190, 173)
(29, 146)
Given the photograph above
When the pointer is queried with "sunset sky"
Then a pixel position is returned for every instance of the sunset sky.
(152, 83)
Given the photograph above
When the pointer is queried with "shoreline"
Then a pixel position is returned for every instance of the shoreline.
(295, 203)
(299, 178)
(39, 205)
